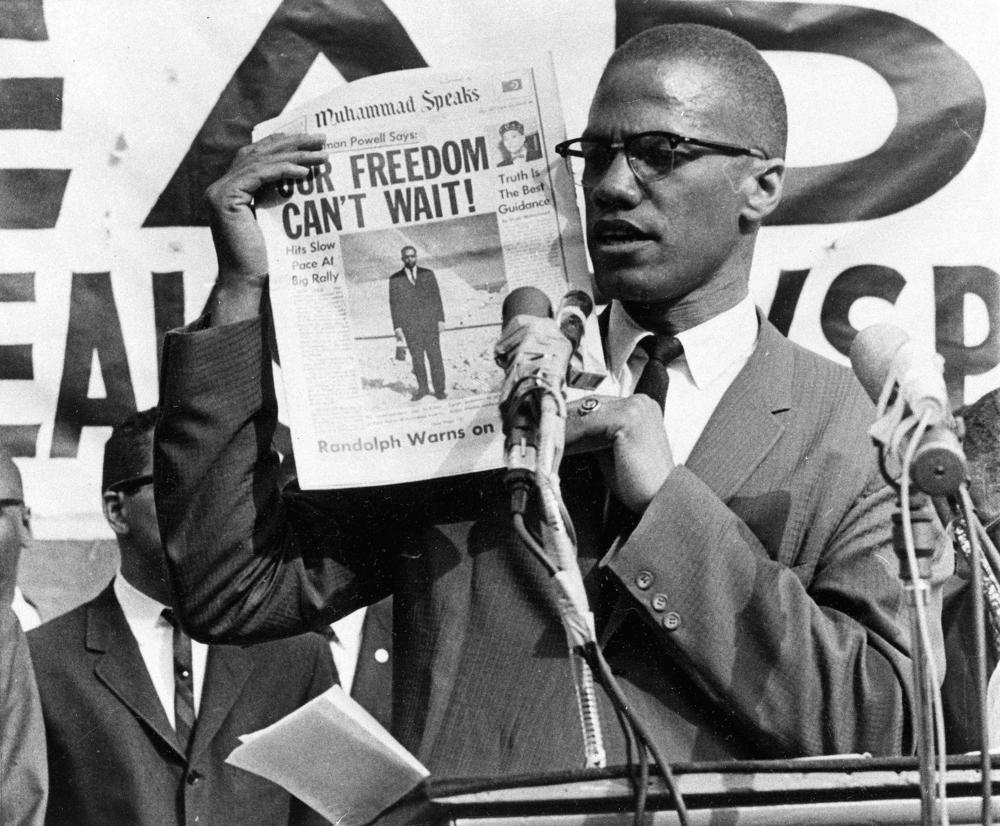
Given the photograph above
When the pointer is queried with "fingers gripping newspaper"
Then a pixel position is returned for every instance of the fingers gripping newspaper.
(390, 262)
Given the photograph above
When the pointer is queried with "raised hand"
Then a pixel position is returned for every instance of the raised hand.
(239, 243)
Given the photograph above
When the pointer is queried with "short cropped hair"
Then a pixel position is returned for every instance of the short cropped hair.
(747, 75)
(128, 452)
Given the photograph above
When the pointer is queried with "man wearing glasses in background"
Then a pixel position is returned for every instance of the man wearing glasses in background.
(140, 719)
(745, 587)
(23, 770)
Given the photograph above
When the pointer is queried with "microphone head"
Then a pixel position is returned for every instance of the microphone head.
(579, 300)
(574, 310)
(883, 350)
(872, 353)
(526, 301)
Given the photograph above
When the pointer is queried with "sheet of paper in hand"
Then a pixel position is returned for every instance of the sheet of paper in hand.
(326, 754)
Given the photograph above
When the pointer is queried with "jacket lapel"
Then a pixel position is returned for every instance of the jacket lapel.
(120, 666)
(226, 672)
(762, 389)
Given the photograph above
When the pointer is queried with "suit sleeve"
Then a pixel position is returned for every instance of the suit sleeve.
(247, 561)
(436, 296)
(23, 764)
(394, 309)
(810, 657)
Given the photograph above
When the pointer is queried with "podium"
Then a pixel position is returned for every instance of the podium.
(837, 791)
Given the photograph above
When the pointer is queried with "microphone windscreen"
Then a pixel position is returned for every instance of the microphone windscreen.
(526, 301)
(872, 353)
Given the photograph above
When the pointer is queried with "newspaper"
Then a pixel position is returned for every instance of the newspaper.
(457, 165)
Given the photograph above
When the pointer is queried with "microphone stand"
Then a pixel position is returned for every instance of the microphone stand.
(533, 457)
(976, 537)
(939, 472)
(916, 585)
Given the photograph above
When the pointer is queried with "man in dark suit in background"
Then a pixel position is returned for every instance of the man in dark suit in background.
(23, 773)
(418, 321)
(139, 719)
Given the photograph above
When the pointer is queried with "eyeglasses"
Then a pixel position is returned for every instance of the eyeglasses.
(132, 484)
(650, 155)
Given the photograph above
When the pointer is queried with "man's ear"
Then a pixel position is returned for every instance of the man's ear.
(762, 189)
(113, 503)
(26, 520)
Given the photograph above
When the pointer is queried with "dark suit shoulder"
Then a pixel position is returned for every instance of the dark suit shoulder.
(58, 634)
(835, 382)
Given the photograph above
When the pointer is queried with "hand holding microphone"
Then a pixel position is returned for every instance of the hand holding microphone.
(535, 355)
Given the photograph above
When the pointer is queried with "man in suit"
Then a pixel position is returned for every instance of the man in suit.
(139, 718)
(418, 321)
(746, 591)
(23, 770)
(361, 645)
(960, 692)
(515, 148)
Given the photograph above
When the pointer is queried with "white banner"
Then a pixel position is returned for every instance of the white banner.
(113, 119)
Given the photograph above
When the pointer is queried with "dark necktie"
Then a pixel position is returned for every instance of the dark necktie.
(654, 380)
(183, 683)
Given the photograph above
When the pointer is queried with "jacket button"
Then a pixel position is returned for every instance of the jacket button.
(643, 580)
(659, 602)
(381, 655)
(194, 777)
(671, 620)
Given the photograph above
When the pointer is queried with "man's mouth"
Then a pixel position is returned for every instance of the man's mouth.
(613, 234)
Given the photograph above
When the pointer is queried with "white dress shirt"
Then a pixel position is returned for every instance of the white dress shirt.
(345, 646)
(714, 353)
(154, 635)
(27, 614)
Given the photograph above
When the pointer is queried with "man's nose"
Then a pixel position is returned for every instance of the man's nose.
(617, 183)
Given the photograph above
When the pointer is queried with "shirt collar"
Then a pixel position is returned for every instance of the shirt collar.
(138, 608)
(709, 348)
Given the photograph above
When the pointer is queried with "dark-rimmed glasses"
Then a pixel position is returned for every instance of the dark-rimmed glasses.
(650, 155)
(132, 484)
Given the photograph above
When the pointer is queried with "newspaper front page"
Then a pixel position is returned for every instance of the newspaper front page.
(390, 263)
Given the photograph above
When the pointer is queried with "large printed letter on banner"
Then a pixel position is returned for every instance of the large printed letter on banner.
(359, 37)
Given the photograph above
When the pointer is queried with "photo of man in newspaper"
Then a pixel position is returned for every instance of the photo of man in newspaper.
(424, 303)
(515, 146)
(418, 321)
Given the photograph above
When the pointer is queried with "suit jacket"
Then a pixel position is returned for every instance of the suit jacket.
(755, 611)
(23, 771)
(113, 756)
(415, 308)
(372, 686)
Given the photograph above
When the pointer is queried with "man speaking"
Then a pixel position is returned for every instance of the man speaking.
(746, 591)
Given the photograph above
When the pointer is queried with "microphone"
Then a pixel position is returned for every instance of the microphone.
(525, 301)
(574, 310)
(883, 354)
(529, 375)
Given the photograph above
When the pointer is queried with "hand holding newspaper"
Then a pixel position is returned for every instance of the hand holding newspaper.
(389, 265)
